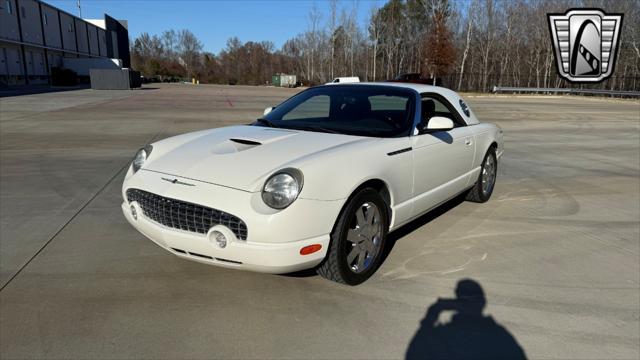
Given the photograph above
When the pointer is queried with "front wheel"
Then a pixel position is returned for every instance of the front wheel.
(357, 240)
(482, 190)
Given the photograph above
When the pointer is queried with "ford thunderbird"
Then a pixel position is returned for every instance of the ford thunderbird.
(317, 181)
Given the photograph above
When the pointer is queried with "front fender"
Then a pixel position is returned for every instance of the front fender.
(335, 175)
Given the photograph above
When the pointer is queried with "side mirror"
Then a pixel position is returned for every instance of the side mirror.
(268, 110)
(436, 123)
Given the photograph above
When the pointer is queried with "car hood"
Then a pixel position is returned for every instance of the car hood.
(242, 157)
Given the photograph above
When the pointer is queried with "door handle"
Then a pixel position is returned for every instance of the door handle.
(467, 141)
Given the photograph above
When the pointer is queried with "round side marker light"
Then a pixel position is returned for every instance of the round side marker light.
(134, 213)
(310, 249)
(221, 240)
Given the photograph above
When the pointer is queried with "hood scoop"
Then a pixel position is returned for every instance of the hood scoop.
(253, 136)
(246, 142)
(234, 146)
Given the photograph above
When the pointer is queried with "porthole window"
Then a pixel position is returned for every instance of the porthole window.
(465, 108)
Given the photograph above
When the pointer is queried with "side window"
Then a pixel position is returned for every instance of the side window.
(390, 107)
(313, 108)
(437, 106)
(382, 103)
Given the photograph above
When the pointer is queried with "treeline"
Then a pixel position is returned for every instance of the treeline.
(470, 45)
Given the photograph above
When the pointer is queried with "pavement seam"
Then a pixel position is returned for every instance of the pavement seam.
(64, 226)
(72, 218)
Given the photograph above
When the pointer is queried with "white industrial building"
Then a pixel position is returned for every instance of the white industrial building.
(36, 37)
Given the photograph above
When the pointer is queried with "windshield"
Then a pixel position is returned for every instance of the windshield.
(378, 111)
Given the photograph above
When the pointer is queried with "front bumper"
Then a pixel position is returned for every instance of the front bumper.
(274, 237)
(268, 258)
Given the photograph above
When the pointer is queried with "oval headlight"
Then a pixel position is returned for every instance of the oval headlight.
(282, 188)
(141, 157)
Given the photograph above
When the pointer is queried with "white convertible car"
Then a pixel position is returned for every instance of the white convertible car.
(318, 181)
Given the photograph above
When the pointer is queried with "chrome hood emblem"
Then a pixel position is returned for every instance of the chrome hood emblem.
(176, 181)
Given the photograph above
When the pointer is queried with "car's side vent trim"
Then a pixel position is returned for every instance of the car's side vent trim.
(245, 142)
(179, 251)
(399, 151)
(229, 261)
(200, 255)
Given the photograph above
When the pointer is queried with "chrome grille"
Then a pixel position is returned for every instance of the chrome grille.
(183, 215)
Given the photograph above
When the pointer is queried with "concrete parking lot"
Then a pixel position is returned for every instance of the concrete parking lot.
(556, 250)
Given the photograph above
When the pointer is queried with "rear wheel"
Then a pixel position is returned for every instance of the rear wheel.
(482, 190)
(357, 240)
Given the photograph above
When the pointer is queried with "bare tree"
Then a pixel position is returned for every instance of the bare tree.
(333, 6)
(169, 40)
(189, 49)
(313, 37)
(375, 27)
(465, 53)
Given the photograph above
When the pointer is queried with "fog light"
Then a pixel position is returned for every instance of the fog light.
(134, 213)
(221, 240)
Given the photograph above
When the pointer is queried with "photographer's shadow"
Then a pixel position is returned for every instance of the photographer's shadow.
(469, 334)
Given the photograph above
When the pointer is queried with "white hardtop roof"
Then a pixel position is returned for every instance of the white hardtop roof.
(421, 88)
(452, 96)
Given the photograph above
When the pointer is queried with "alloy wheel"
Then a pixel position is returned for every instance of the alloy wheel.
(364, 237)
(488, 175)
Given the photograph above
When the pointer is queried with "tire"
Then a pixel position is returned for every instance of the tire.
(352, 235)
(483, 188)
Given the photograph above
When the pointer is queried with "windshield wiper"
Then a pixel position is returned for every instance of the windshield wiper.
(266, 122)
(319, 129)
(269, 123)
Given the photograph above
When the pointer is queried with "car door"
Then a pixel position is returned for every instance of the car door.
(442, 160)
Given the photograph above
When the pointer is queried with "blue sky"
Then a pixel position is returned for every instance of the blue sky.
(214, 21)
